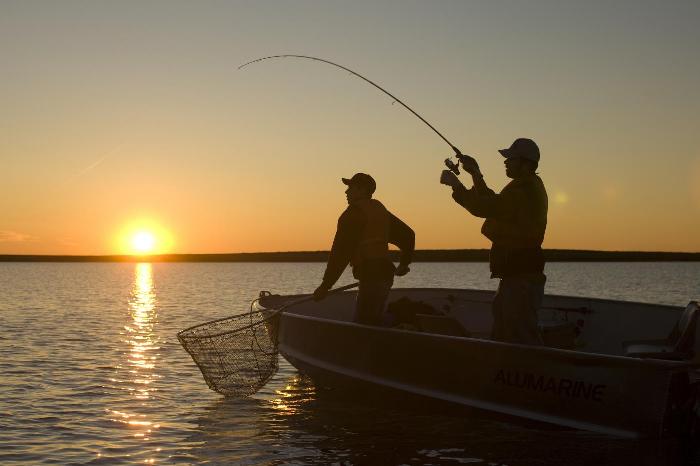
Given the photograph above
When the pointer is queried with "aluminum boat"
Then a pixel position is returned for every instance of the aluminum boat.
(621, 368)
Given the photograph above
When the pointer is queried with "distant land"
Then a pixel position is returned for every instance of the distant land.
(428, 255)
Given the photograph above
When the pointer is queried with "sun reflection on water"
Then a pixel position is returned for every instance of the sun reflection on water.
(142, 341)
(288, 400)
(136, 376)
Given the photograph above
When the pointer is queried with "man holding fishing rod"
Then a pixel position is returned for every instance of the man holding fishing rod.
(362, 239)
(515, 223)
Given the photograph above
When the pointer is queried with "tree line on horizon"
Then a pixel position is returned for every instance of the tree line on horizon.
(426, 255)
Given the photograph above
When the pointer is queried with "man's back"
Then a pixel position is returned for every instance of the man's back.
(358, 228)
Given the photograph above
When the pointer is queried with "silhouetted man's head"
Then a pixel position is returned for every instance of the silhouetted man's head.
(522, 158)
(360, 186)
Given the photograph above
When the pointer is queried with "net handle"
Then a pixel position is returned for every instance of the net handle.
(311, 297)
(301, 300)
(182, 334)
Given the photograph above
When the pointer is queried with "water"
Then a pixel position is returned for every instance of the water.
(92, 373)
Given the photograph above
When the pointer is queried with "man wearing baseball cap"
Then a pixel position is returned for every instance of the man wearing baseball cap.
(362, 239)
(516, 219)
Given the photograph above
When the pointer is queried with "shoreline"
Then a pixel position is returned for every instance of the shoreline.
(428, 255)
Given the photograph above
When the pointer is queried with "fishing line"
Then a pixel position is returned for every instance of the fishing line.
(396, 99)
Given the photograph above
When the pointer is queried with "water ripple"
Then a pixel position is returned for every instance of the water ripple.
(92, 373)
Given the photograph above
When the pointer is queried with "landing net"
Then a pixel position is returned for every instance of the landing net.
(237, 355)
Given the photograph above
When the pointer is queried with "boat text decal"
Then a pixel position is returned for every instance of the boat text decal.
(565, 388)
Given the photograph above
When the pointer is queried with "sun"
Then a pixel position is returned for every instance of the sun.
(142, 237)
(143, 242)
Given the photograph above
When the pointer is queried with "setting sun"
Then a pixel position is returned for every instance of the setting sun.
(144, 236)
(143, 242)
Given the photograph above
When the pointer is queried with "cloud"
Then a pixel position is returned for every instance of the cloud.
(7, 236)
(89, 167)
(96, 163)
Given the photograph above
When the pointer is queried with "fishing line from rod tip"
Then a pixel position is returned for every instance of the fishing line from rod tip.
(396, 99)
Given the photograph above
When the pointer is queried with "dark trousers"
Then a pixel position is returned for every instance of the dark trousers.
(371, 301)
(515, 309)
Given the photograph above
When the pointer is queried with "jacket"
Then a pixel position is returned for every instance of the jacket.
(364, 231)
(515, 222)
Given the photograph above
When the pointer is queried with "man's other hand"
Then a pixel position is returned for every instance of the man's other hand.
(320, 293)
(448, 178)
(402, 270)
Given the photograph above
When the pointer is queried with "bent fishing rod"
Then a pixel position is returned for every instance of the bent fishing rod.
(449, 163)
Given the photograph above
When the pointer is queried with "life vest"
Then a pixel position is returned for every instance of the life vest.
(374, 240)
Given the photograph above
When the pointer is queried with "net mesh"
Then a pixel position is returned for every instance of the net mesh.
(237, 355)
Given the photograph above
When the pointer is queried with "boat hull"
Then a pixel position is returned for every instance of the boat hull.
(617, 396)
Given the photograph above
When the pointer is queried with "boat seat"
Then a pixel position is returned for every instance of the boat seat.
(677, 346)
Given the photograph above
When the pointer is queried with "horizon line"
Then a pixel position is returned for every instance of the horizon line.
(420, 255)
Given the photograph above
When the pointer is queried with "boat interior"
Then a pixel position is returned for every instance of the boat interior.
(589, 325)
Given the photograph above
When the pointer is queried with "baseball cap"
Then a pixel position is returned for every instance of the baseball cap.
(523, 148)
(361, 179)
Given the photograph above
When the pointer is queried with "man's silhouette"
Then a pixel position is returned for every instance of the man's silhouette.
(362, 239)
(515, 223)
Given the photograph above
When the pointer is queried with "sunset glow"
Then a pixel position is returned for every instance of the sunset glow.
(250, 160)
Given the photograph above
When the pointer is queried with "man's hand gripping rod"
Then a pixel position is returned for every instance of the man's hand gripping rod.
(465, 159)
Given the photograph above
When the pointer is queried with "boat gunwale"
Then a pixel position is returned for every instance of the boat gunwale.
(531, 348)
(663, 363)
(669, 307)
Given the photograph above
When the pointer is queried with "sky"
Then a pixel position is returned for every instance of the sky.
(120, 117)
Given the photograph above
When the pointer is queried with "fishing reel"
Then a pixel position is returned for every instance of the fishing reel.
(464, 159)
(454, 167)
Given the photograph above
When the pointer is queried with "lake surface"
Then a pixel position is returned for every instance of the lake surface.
(92, 373)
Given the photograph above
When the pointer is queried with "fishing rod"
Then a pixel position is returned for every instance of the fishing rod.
(449, 163)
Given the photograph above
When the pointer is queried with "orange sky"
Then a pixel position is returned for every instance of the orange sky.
(124, 116)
